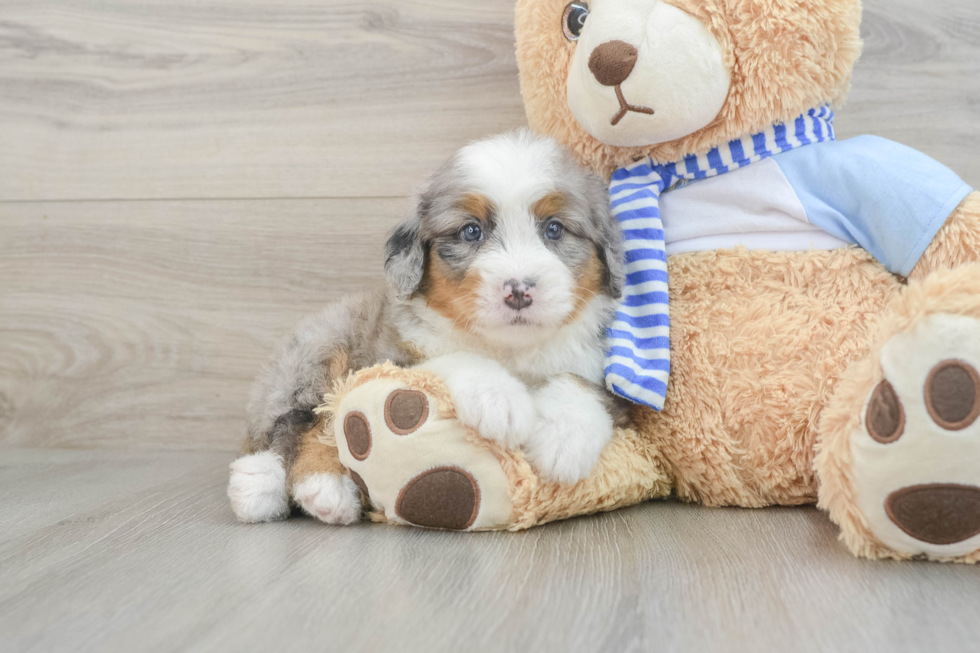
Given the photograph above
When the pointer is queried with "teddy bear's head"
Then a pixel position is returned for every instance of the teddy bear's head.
(616, 80)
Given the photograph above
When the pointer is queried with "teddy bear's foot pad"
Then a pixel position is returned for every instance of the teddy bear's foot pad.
(444, 497)
(917, 453)
(414, 464)
(937, 513)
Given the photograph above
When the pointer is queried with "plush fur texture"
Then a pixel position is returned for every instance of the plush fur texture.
(761, 341)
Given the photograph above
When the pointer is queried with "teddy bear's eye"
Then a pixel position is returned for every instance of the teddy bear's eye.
(573, 19)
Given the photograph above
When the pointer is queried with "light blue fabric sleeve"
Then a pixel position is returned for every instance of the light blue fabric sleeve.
(886, 197)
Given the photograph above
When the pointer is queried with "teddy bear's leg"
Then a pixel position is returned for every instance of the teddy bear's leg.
(957, 242)
(397, 432)
(899, 449)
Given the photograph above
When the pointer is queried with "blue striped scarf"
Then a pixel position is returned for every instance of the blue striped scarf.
(638, 360)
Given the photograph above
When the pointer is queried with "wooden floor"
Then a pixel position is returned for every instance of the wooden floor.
(137, 551)
(180, 181)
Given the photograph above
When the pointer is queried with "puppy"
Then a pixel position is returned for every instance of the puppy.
(502, 282)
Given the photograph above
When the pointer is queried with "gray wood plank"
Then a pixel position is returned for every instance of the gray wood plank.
(155, 562)
(143, 323)
(246, 98)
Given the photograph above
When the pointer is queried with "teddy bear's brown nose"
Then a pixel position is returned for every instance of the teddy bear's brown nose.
(612, 62)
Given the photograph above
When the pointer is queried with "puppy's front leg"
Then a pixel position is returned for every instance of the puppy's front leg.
(574, 425)
(487, 397)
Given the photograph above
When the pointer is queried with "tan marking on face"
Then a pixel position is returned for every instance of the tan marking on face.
(455, 300)
(549, 206)
(477, 205)
(587, 287)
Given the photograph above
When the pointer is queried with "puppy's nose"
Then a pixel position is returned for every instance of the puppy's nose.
(612, 62)
(518, 293)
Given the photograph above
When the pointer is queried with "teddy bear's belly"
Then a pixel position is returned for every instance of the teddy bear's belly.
(759, 341)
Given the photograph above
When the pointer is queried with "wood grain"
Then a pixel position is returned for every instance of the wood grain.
(143, 323)
(123, 551)
(246, 98)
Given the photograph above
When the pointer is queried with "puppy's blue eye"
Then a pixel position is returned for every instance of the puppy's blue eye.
(554, 231)
(471, 233)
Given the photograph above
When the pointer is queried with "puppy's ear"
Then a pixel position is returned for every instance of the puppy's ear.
(609, 243)
(405, 256)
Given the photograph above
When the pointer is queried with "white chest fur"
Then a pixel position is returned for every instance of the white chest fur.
(577, 348)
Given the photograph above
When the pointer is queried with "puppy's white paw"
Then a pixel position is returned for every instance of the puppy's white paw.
(488, 398)
(257, 488)
(574, 427)
(331, 498)
(500, 408)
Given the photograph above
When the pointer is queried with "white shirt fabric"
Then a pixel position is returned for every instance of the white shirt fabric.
(754, 206)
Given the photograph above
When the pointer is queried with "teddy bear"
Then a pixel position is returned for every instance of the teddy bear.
(801, 322)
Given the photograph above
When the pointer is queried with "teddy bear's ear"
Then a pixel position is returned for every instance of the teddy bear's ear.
(405, 255)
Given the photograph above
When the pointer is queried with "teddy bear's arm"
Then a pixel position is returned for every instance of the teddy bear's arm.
(957, 242)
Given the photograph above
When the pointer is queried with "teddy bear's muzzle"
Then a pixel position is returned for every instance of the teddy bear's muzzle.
(611, 63)
(937, 513)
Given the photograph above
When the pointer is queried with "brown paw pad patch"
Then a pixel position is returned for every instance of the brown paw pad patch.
(885, 417)
(406, 411)
(444, 497)
(951, 394)
(359, 482)
(937, 513)
(357, 432)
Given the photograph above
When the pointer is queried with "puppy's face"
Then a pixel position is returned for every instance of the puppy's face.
(511, 237)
